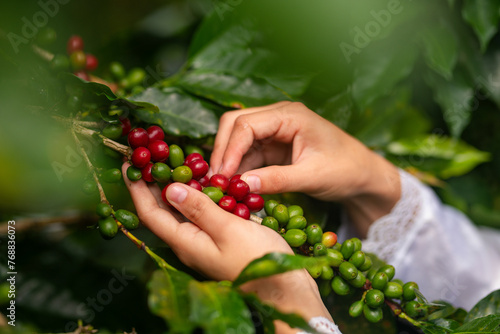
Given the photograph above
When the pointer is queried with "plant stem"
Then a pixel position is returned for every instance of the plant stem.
(256, 219)
(125, 150)
(414, 322)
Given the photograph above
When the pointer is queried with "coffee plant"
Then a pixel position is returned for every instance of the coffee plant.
(106, 112)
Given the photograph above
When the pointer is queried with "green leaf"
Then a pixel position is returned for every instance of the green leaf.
(482, 16)
(486, 306)
(455, 157)
(276, 263)
(338, 109)
(169, 298)
(487, 324)
(440, 48)
(446, 323)
(429, 328)
(180, 114)
(218, 309)
(229, 90)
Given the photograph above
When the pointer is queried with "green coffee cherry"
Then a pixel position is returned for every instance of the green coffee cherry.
(347, 249)
(374, 298)
(315, 271)
(271, 222)
(357, 244)
(117, 70)
(175, 156)
(134, 173)
(295, 210)
(358, 259)
(108, 227)
(359, 281)
(371, 273)
(372, 314)
(269, 206)
(319, 249)
(367, 264)
(409, 290)
(379, 281)
(135, 77)
(356, 309)
(280, 212)
(127, 218)
(335, 258)
(161, 172)
(103, 210)
(296, 222)
(182, 174)
(393, 290)
(397, 280)
(340, 286)
(295, 237)
(348, 270)
(112, 131)
(414, 309)
(327, 273)
(112, 175)
(325, 288)
(214, 193)
(193, 149)
(337, 246)
(314, 234)
(389, 270)
(60, 63)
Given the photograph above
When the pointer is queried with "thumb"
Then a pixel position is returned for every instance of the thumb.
(274, 179)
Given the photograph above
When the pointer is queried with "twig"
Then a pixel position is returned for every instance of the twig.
(256, 219)
(38, 222)
(125, 150)
(43, 53)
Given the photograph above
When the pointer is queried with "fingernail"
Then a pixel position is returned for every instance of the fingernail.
(176, 193)
(210, 172)
(253, 181)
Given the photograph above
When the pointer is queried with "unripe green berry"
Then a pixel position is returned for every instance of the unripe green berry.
(371, 273)
(176, 156)
(112, 131)
(348, 270)
(103, 210)
(161, 172)
(372, 314)
(112, 175)
(359, 281)
(358, 259)
(314, 234)
(296, 222)
(347, 249)
(117, 70)
(108, 227)
(409, 290)
(325, 288)
(357, 244)
(393, 290)
(295, 237)
(367, 264)
(414, 309)
(356, 309)
(127, 218)
(59, 63)
(135, 77)
(327, 273)
(389, 270)
(214, 193)
(182, 174)
(134, 173)
(337, 246)
(374, 298)
(379, 281)
(271, 222)
(315, 270)
(193, 149)
(280, 212)
(335, 258)
(295, 210)
(340, 286)
(319, 249)
(269, 206)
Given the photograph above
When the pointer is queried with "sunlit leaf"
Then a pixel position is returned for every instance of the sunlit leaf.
(483, 16)
(440, 48)
(486, 306)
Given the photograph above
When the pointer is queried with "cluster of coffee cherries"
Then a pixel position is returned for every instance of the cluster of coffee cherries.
(107, 224)
(80, 63)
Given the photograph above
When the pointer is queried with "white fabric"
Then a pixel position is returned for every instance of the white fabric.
(323, 325)
(434, 245)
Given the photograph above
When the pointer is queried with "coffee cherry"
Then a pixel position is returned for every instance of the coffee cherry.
(268, 205)
(337, 246)
(314, 234)
(135, 77)
(379, 281)
(82, 75)
(348, 270)
(357, 244)
(371, 274)
(319, 249)
(146, 173)
(141, 157)
(195, 185)
(138, 138)
(340, 286)
(372, 314)
(409, 291)
(254, 202)
(296, 222)
(127, 218)
(314, 270)
(367, 264)
(358, 259)
(389, 270)
(108, 227)
(159, 150)
(117, 70)
(75, 43)
(329, 239)
(91, 62)
(103, 209)
(214, 193)
(347, 249)
(78, 60)
(295, 210)
(374, 298)
(161, 172)
(176, 156)
(271, 222)
(219, 181)
(112, 131)
(155, 133)
(134, 173)
(280, 212)
(204, 181)
(126, 126)
(46, 36)
(112, 175)
(295, 237)
(228, 203)
(356, 309)
(189, 149)
(327, 273)
(414, 309)
(359, 281)
(89, 187)
(235, 177)
(182, 174)
(60, 63)
(164, 194)
(393, 290)
(335, 258)
(199, 168)
(239, 189)
(192, 157)
(242, 211)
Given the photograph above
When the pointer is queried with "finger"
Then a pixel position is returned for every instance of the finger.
(275, 179)
(156, 191)
(226, 127)
(265, 154)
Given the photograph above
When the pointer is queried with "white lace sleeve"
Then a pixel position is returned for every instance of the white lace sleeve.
(323, 325)
(435, 245)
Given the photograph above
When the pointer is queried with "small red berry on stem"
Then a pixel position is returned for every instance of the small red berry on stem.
(241, 210)
(164, 195)
(146, 172)
(192, 157)
(204, 181)
(235, 177)
(195, 184)
(228, 203)
(91, 62)
(138, 138)
(126, 126)
(159, 150)
(155, 133)
(75, 43)
(141, 157)
(254, 202)
(238, 189)
(199, 168)
(219, 181)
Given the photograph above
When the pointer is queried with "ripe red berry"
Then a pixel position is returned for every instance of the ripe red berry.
(238, 189)
(126, 126)
(156, 133)
(204, 181)
(138, 138)
(159, 150)
(192, 157)
(228, 203)
(219, 181)
(235, 177)
(75, 43)
(146, 172)
(241, 210)
(254, 202)
(91, 62)
(164, 194)
(195, 184)
(199, 168)
(82, 75)
(141, 157)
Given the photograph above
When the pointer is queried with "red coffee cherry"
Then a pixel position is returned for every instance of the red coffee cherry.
(138, 138)
(141, 157)
(146, 172)
(235, 177)
(241, 210)
(155, 133)
(204, 181)
(195, 184)
(82, 75)
(91, 62)
(219, 181)
(228, 203)
(164, 195)
(75, 43)
(192, 157)
(159, 150)
(126, 126)
(199, 168)
(238, 189)
(254, 202)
